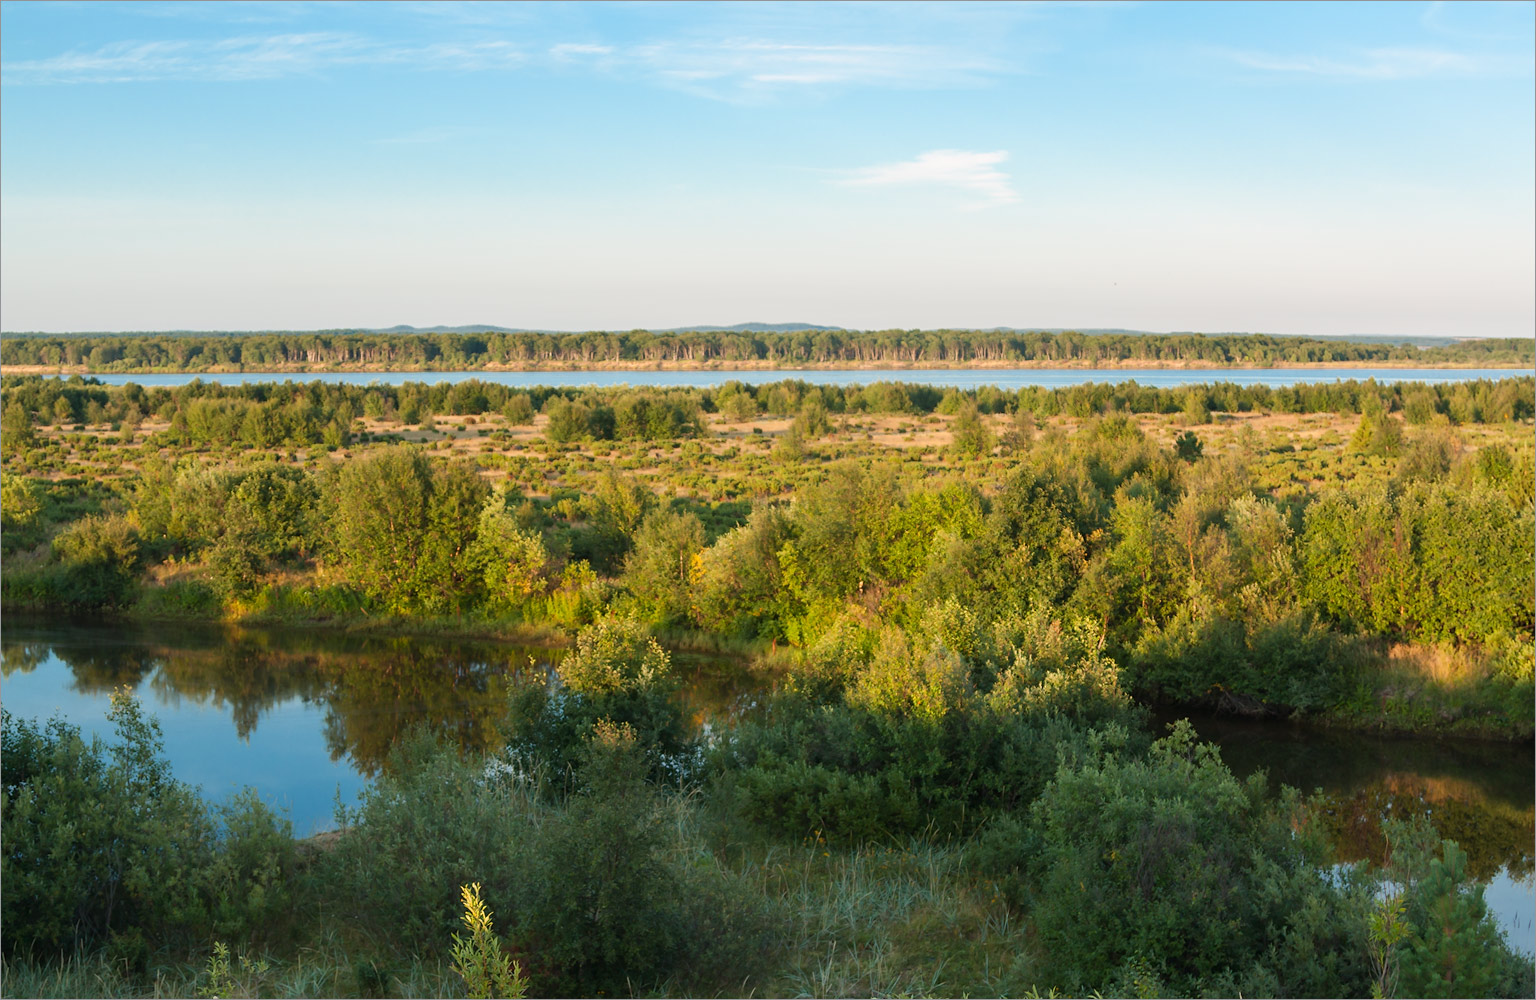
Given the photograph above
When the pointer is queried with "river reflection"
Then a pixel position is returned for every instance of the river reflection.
(219, 693)
(1478, 794)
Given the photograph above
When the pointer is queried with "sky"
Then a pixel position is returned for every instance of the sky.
(1311, 169)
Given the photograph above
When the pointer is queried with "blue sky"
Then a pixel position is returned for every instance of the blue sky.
(1299, 168)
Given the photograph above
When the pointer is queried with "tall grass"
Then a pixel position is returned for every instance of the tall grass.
(1458, 690)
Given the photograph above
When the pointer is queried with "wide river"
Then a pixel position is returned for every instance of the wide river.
(307, 716)
(960, 378)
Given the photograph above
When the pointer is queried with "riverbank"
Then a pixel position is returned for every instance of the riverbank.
(1417, 691)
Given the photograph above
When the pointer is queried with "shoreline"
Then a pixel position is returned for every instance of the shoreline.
(758, 366)
(770, 661)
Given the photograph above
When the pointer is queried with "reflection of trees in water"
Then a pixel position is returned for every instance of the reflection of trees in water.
(371, 690)
(244, 675)
(462, 698)
(1477, 794)
(22, 657)
(103, 670)
(1495, 834)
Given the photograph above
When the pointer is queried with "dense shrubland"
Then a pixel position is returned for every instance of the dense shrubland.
(1199, 582)
(961, 640)
(468, 351)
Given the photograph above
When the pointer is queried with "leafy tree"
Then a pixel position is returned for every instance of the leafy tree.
(1378, 433)
(103, 845)
(972, 438)
(812, 420)
(16, 429)
(21, 503)
(666, 557)
(404, 528)
(99, 562)
(519, 409)
(512, 559)
(614, 656)
(740, 577)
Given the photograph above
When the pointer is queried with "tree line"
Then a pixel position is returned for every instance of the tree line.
(291, 414)
(468, 351)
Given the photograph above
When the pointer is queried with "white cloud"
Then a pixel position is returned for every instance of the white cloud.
(568, 49)
(251, 58)
(972, 172)
(742, 66)
(1378, 64)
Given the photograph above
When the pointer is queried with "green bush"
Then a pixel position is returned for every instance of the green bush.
(102, 844)
(604, 892)
(1164, 868)
(429, 824)
(98, 563)
(617, 673)
(616, 904)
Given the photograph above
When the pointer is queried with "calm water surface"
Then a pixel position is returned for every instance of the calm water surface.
(1003, 378)
(305, 715)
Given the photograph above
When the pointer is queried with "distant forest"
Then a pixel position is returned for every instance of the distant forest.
(467, 351)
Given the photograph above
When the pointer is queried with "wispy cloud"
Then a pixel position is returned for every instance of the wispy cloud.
(739, 67)
(1378, 64)
(251, 58)
(971, 172)
(568, 50)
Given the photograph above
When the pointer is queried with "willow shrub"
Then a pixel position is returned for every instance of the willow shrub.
(914, 745)
(1162, 868)
(104, 846)
(599, 892)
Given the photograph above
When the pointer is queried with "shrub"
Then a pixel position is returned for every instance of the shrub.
(98, 560)
(614, 656)
(101, 843)
(1186, 877)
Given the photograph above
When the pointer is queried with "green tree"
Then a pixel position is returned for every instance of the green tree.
(512, 559)
(99, 562)
(972, 438)
(404, 528)
(660, 568)
(614, 655)
(16, 429)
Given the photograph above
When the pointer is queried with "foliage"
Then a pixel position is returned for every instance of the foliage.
(660, 569)
(1187, 874)
(599, 891)
(99, 559)
(513, 561)
(459, 351)
(614, 656)
(1435, 562)
(404, 528)
(101, 841)
(1448, 944)
(914, 746)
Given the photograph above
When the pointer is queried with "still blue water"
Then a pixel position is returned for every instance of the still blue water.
(960, 378)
